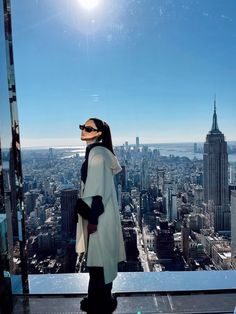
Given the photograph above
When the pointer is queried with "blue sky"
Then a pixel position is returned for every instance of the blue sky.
(150, 68)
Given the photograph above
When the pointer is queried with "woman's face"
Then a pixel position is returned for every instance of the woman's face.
(90, 132)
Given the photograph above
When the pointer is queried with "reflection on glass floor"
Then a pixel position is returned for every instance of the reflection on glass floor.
(218, 302)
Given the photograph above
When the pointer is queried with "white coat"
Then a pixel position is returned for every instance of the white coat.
(106, 245)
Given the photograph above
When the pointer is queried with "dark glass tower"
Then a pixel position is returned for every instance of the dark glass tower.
(68, 200)
(215, 182)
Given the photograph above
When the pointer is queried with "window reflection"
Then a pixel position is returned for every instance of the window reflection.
(12, 245)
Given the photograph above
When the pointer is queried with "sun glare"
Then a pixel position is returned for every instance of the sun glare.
(89, 4)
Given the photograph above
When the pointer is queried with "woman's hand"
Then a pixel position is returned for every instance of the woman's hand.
(91, 228)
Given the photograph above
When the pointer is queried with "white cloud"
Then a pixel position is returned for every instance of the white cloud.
(226, 17)
(95, 97)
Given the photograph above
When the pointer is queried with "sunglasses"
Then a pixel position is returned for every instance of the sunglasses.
(88, 129)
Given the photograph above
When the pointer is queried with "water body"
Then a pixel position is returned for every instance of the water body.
(176, 149)
(185, 150)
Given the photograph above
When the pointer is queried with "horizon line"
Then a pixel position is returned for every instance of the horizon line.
(131, 144)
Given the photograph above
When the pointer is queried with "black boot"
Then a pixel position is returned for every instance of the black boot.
(102, 305)
(84, 304)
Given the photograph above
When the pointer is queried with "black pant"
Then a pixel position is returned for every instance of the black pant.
(98, 291)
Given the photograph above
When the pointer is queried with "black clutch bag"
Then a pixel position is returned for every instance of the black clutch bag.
(82, 208)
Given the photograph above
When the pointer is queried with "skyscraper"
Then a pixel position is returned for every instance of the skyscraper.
(121, 178)
(172, 208)
(137, 143)
(144, 174)
(68, 200)
(215, 180)
(233, 229)
(161, 180)
(185, 239)
(232, 173)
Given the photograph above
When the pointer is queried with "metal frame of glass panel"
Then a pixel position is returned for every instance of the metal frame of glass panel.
(13, 259)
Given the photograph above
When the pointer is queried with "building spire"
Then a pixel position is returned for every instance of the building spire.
(215, 128)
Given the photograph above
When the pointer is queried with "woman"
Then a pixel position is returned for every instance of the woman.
(99, 230)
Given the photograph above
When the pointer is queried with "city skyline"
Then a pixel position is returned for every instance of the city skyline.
(156, 79)
(166, 219)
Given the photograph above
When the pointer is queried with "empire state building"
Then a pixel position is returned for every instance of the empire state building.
(215, 180)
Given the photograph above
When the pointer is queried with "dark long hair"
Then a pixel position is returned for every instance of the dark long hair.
(105, 137)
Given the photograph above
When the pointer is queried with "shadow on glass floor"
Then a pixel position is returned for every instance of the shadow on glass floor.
(195, 303)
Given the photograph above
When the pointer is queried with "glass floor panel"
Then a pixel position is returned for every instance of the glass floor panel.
(195, 303)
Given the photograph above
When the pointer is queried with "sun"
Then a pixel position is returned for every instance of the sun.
(89, 4)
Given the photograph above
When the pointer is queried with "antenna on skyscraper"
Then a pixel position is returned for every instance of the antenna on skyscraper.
(215, 128)
(215, 103)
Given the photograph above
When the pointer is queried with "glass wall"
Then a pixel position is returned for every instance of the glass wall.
(151, 69)
(12, 239)
(121, 66)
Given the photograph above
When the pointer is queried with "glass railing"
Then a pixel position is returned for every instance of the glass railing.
(137, 293)
(131, 282)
